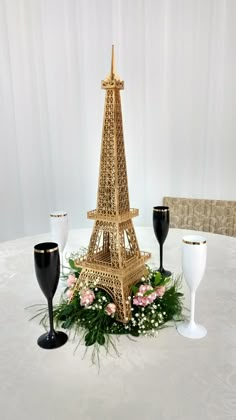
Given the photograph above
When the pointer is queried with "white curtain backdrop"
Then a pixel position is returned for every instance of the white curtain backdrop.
(178, 61)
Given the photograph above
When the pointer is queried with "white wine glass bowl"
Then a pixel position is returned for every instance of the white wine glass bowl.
(59, 230)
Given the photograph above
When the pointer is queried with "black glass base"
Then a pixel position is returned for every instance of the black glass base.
(164, 272)
(52, 341)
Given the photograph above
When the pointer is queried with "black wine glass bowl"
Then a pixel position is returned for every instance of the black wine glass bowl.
(47, 269)
(161, 221)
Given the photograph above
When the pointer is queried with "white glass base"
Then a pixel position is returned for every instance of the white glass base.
(191, 330)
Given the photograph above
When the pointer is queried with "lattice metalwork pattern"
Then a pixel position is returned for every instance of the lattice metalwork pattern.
(217, 216)
(113, 196)
(113, 244)
(113, 258)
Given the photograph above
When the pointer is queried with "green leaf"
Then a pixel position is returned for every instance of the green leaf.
(89, 339)
(134, 333)
(166, 280)
(66, 324)
(101, 339)
(134, 289)
(157, 278)
(148, 292)
(72, 264)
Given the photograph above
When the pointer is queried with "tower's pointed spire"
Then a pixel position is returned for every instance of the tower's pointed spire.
(112, 63)
(112, 80)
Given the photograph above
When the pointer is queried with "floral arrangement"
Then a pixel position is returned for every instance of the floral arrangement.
(90, 312)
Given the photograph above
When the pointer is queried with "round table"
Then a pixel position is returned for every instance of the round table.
(166, 378)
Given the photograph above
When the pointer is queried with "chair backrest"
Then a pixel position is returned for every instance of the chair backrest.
(215, 216)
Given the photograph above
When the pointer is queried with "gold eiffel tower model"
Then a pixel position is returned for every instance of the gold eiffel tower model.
(113, 258)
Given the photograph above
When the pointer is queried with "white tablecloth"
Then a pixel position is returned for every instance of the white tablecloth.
(165, 378)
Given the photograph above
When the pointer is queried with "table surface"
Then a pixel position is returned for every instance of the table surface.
(166, 378)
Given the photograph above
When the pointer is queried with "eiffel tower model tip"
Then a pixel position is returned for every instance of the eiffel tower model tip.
(112, 63)
(112, 80)
(113, 259)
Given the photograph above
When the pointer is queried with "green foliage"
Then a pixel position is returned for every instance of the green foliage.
(73, 266)
(134, 290)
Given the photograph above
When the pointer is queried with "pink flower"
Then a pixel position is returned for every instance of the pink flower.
(71, 280)
(110, 309)
(69, 294)
(87, 297)
(141, 300)
(144, 288)
(160, 291)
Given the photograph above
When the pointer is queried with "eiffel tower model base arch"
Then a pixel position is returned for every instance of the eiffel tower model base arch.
(115, 272)
(113, 260)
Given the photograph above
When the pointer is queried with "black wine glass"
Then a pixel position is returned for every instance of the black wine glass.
(47, 268)
(161, 227)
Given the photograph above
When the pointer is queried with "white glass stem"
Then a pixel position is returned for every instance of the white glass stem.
(62, 263)
(192, 307)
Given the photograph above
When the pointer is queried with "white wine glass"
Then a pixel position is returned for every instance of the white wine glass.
(194, 253)
(59, 230)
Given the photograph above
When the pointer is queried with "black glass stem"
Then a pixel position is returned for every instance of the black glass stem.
(47, 269)
(161, 222)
